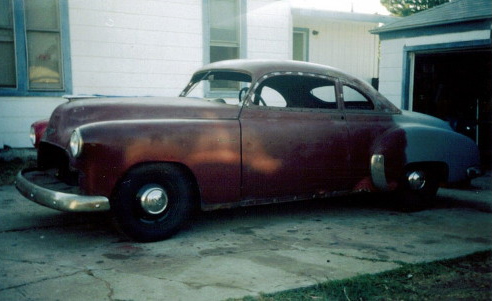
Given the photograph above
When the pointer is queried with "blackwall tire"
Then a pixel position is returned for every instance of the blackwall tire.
(418, 189)
(152, 201)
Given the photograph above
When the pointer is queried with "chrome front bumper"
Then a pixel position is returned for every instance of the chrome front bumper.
(45, 189)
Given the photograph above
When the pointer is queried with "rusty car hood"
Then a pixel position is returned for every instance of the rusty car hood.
(75, 113)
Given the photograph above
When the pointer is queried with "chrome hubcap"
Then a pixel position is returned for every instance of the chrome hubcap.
(416, 180)
(153, 199)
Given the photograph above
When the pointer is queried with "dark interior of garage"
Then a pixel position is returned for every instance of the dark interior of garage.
(456, 86)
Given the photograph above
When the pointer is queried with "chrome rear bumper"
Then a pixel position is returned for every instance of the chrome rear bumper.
(45, 189)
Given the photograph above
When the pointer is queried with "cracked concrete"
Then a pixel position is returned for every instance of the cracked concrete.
(50, 255)
(106, 283)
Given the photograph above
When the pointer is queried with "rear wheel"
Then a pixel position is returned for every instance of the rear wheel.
(152, 201)
(418, 188)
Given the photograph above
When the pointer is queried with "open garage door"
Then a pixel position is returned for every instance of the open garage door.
(456, 86)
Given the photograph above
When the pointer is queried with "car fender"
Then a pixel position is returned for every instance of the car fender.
(209, 149)
(38, 129)
(421, 144)
(431, 144)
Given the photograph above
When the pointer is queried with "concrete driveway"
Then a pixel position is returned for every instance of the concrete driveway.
(49, 255)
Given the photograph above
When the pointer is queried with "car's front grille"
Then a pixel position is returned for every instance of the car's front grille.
(50, 156)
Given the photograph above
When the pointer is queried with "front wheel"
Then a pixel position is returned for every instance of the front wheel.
(418, 188)
(152, 201)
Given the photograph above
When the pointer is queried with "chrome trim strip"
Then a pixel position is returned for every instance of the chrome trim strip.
(377, 172)
(63, 201)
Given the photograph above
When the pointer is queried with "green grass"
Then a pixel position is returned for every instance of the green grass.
(464, 278)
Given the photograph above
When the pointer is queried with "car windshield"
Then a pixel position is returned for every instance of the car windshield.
(219, 86)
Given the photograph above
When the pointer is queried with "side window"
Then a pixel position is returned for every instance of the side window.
(309, 91)
(355, 100)
(326, 94)
(271, 97)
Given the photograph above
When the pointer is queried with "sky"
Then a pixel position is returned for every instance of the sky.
(359, 6)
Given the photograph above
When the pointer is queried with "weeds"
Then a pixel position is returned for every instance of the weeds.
(464, 278)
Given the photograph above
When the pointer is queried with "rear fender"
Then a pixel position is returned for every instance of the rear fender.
(456, 151)
(388, 159)
(415, 144)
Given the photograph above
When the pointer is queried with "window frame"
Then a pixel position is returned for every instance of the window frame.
(21, 56)
(305, 42)
(207, 43)
(259, 83)
(358, 90)
(9, 38)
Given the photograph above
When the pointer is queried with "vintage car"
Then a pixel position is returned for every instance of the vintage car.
(265, 132)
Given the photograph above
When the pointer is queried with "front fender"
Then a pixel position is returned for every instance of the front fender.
(210, 149)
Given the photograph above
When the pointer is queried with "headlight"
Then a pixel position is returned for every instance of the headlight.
(32, 135)
(76, 143)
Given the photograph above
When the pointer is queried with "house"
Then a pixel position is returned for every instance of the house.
(439, 62)
(53, 48)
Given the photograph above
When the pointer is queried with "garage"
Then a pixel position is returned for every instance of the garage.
(439, 62)
(456, 86)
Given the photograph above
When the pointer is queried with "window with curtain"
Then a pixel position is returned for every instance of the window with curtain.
(31, 47)
(43, 44)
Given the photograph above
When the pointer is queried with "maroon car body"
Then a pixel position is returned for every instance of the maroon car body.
(265, 132)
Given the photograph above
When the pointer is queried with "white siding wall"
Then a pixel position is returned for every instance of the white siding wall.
(18, 113)
(147, 47)
(345, 45)
(269, 30)
(118, 47)
(129, 47)
(391, 64)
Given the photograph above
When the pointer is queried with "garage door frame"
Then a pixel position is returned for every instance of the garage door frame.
(409, 62)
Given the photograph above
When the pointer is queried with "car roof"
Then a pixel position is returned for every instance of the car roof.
(258, 67)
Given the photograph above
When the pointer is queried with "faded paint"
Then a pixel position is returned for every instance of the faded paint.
(248, 154)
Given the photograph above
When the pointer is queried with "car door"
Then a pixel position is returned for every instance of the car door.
(365, 124)
(294, 139)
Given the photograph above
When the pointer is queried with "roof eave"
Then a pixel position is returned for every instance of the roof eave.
(383, 29)
(342, 16)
